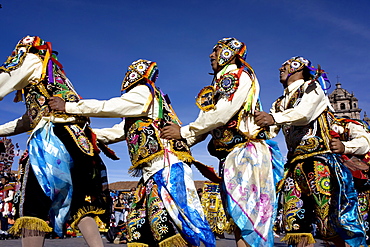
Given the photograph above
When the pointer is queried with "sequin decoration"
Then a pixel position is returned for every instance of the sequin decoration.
(80, 139)
(137, 71)
(230, 47)
(227, 85)
(297, 63)
(205, 100)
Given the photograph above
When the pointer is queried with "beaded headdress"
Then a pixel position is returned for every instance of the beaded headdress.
(298, 62)
(139, 70)
(24, 46)
(50, 63)
(230, 47)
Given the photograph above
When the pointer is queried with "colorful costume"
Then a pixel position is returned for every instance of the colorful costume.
(317, 188)
(166, 209)
(246, 160)
(64, 170)
(6, 205)
(213, 208)
(355, 136)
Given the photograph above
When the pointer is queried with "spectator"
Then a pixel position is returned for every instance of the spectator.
(6, 206)
(119, 207)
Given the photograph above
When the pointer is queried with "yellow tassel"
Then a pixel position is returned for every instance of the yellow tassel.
(295, 238)
(137, 245)
(174, 241)
(29, 223)
(82, 212)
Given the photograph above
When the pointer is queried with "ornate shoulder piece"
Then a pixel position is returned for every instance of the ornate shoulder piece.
(205, 100)
(227, 85)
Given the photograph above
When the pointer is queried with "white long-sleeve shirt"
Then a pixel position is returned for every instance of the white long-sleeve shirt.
(309, 108)
(29, 71)
(130, 104)
(311, 105)
(359, 139)
(224, 110)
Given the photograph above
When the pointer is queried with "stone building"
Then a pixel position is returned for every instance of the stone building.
(344, 103)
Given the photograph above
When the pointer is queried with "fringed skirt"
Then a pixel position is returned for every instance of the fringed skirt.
(89, 195)
(318, 200)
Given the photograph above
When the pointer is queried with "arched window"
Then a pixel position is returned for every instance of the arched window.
(342, 106)
(354, 105)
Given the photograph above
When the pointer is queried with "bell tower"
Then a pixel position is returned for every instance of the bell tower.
(344, 103)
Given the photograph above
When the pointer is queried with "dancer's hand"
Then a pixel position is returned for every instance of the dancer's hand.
(57, 104)
(171, 131)
(263, 119)
(336, 146)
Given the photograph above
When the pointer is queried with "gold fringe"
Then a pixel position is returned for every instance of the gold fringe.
(29, 223)
(295, 238)
(174, 241)
(101, 225)
(305, 156)
(230, 226)
(137, 245)
(136, 163)
(82, 212)
(184, 156)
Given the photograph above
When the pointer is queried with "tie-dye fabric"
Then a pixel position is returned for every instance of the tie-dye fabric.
(249, 190)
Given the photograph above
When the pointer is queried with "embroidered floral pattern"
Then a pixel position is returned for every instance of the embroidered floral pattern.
(149, 215)
(305, 179)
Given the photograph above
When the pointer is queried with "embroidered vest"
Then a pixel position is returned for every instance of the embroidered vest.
(225, 138)
(36, 96)
(308, 140)
(144, 143)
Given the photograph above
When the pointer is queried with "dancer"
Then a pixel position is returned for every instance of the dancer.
(166, 195)
(351, 139)
(246, 162)
(317, 188)
(63, 169)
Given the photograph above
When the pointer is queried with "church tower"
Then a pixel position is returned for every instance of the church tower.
(344, 103)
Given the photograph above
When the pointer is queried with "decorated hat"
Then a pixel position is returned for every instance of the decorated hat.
(139, 70)
(297, 63)
(20, 51)
(230, 48)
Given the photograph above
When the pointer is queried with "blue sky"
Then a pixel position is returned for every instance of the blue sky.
(97, 40)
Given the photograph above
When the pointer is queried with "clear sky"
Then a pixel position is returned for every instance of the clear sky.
(97, 40)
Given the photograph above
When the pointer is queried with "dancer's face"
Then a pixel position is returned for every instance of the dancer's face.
(214, 59)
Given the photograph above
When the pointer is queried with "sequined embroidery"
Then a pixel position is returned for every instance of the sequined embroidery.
(227, 85)
(205, 100)
(308, 140)
(80, 139)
